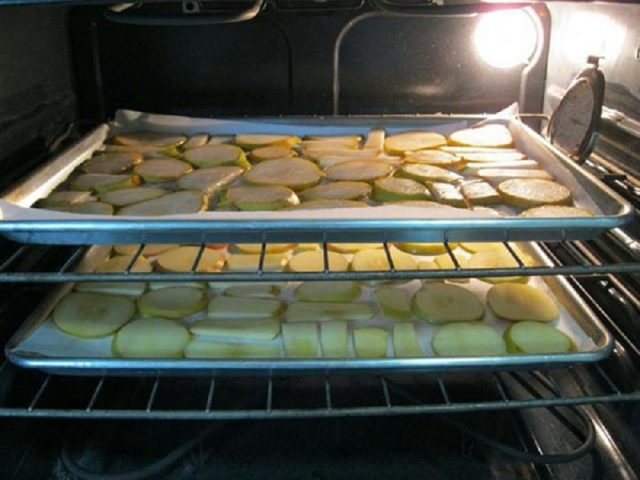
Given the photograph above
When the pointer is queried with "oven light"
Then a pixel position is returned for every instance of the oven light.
(591, 33)
(506, 38)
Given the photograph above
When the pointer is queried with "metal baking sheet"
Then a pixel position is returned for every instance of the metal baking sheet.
(387, 223)
(39, 344)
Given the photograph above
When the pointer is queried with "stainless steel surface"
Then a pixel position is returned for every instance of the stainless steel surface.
(564, 293)
(616, 211)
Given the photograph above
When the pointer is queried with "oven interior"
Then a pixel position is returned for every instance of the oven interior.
(67, 67)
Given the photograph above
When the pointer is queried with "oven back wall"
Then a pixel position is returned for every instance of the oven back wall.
(283, 63)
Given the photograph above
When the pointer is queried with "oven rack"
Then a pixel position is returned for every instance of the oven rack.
(10, 270)
(35, 394)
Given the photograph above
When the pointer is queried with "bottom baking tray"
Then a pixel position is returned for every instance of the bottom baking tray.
(39, 344)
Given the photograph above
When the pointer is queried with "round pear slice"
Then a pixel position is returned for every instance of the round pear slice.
(92, 315)
(555, 211)
(62, 198)
(375, 260)
(370, 342)
(272, 197)
(425, 248)
(151, 338)
(295, 173)
(466, 340)
(149, 139)
(313, 261)
(181, 260)
(487, 136)
(87, 208)
(427, 173)
(102, 182)
(437, 158)
(150, 250)
(533, 192)
(498, 257)
(337, 191)
(394, 302)
(536, 338)
(328, 291)
(352, 247)
(162, 170)
(174, 302)
(443, 303)
(515, 302)
(195, 141)
(256, 248)
(334, 338)
(405, 340)
(474, 247)
(129, 196)
(322, 204)
(209, 180)
(410, 141)
(184, 202)
(119, 263)
(359, 170)
(111, 163)
(216, 155)
(391, 189)
(253, 140)
(270, 153)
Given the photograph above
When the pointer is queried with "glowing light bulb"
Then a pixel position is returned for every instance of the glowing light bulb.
(505, 39)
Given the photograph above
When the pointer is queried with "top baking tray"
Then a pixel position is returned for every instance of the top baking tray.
(388, 223)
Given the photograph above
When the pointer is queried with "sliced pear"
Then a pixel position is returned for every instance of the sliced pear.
(376, 260)
(474, 247)
(533, 192)
(474, 168)
(127, 289)
(151, 338)
(273, 197)
(331, 138)
(499, 257)
(161, 170)
(417, 203)
(251, 141)
(496, 176)
(326, 162)
(335, 142)
(405, 340)
(444, 262)
(352, 247)
(148, 151)
(101, 182)
(313, 261)
(269, 247)
(87, 208)
(295, 173)
(270, 153)
(328, 291)
(464, 150)
(319, 153)
(67, 198)
(218, 139)
(255, 290)
(334, 338)
(92, 315)
(195, 141)
(300, 339)
(555, 211)
(176, 302)
(442, 303)
(324, 204)
(337, 191)
(322, 311)
(112, 163)
(394, 302)
(244, 262)
(149, 139)
(150, 250)
(429, 265)
(359, 170)
(491, 156)
(480, 193)
(536, 338)
(183, 202)
(181, 260)
(119, 263)
(375, 139)
(203, 348)
(425, 248)
(234, 307)
(466, 340)
(514, 301)
(370, 342)
(239, 328)
(306, 247)
(437, 158)
(428, 173)
(486, 136)
(129, 196)
(447, 194)
(209, 180)
(409, 141)
(390, 189)
(216, 155)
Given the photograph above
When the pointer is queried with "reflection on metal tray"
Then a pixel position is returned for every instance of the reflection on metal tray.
(369, 225)
(577, 317)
